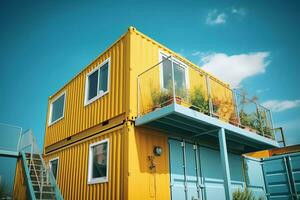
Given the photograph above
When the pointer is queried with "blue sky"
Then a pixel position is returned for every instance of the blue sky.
(45, 43)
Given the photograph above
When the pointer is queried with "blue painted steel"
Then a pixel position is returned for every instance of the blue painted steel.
(294, 161)
(189, 117)
(282, 176)
(28, 180)
(209, 172)
(211, 168)
(9, 153)
(177, 170)
(225, 164)
(254, 177)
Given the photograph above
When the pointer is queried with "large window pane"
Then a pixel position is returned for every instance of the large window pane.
(58, 108)
(93, 84)
(54, 167)
(99, 163)
(167, 73)
(103, 78)
(179, 77)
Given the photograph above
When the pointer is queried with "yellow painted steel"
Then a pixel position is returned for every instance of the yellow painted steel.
(78, 117)
(145, 182)
(144, 53)
(274, 152)
(73, 168)
(20, 189)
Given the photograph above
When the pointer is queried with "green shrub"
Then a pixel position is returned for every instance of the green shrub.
(159, 97)
(244, 195)
(198, 100)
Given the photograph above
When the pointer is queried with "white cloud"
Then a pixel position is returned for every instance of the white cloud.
(214, 17)
(235, 68)
(238, 11)
(278, 106)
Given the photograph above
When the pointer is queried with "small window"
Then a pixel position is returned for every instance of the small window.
(180, 74)
(54, 167)
(57, 108)
(98, 162)
(97, 82)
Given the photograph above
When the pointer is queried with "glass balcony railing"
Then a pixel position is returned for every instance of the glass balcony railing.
(173, 81)
(10, 137)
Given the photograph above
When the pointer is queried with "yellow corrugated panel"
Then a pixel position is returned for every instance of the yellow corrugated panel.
(73, 168)
(78, 117)
(20, 191)
(144, 53)
(144, 183)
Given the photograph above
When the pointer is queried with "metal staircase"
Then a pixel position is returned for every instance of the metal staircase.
(40, 181)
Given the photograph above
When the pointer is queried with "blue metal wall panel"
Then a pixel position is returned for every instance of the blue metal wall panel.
(295, 173)
(177, 170)
(282, 176)
(184, 180)
(212, 173)
(191, 171)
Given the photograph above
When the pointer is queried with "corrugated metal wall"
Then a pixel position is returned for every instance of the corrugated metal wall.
(78, 117)
(73, 169)
(144, 53)
(20, 189)
(143, 182)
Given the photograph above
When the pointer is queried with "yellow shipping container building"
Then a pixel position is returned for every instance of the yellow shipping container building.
(143, 122)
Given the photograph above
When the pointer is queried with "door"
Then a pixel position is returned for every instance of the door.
(282, 176)
(185, 171)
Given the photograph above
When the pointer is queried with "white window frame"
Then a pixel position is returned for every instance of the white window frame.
(51, 108)
(99, 95)
(90, 164)
(160, 56)
(50, 165)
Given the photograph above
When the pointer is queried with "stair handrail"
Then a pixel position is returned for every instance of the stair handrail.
(29, 184)
(52, 181)
(34, 149)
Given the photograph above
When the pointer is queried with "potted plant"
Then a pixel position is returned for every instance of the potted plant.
(182, 97)
(216, 102)
(233, 119)
(199, 101)
(160, 98)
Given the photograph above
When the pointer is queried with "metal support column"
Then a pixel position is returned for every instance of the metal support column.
(225, 164)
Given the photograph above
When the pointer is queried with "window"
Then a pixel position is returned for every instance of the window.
(57, 108)
(180, 74)
(54, 167)
(97, 82)
(98, 162)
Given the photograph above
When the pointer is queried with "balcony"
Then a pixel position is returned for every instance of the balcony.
(179, 98)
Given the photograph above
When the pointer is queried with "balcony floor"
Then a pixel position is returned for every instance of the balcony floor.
(182, 121)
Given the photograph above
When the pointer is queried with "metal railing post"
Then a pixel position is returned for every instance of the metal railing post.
(259, 118)
(236, 107)
(271, 121)
(173, 80)
(208, 88)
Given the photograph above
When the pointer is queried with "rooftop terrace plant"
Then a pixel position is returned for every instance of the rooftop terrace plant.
(198, 100)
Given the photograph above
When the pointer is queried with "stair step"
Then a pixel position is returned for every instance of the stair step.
(44, 192)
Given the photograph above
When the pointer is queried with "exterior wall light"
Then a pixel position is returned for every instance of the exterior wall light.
(157, 151)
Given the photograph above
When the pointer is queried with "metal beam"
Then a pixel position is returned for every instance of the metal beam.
(206, 132)
(9, 153)
(225, 164)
